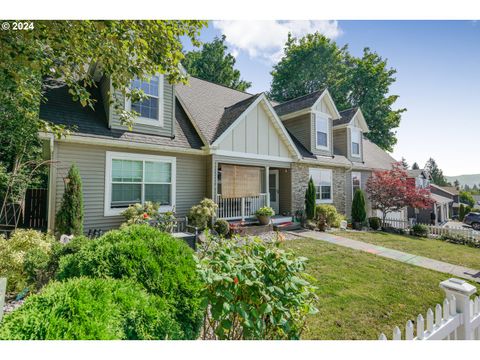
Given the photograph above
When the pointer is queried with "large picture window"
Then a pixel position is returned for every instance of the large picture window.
(322, 178)
(149, 109)
(355, 142)
(137, 178)
(321, 131)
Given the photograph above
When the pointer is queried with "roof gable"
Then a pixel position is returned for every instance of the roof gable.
(308, 102)
(352, 117)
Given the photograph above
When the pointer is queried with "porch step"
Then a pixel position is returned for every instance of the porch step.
(287, 226)
(279, 219)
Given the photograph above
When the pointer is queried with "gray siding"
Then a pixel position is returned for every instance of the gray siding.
(190, 180)
(168, 111)
(340, 143)
(300, 128)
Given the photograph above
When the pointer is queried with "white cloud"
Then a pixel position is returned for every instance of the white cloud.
(265, 39)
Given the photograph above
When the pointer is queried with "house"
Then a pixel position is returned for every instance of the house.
(442, 201)
(449, 192)
(207, 140)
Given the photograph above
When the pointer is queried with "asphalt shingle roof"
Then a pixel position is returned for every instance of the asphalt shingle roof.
(375, 157)
(346, 116)
(211, 106)
(299, 103)
(60, 109)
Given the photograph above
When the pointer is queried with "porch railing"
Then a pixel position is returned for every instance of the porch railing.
(239, 208)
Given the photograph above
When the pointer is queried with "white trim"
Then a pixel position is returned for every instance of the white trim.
(295, 114)
(277, 189)
(332, 103)
(323, 201)
(359, 175)
(243, 155)
(147, 121)
(326, 118)
(110, 155)
(277, 120)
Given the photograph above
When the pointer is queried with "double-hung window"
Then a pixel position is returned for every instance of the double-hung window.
(356, 182)
(149, 109)
(321, 132)
(356, 136)
(137, 178)
(322, 178)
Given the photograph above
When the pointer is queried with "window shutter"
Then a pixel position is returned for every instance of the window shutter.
(240, 181)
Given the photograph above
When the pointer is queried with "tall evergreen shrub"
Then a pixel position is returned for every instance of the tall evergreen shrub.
(310, 200)
(359, 214)
(69, 219)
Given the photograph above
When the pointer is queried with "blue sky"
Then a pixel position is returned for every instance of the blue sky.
(438, 76)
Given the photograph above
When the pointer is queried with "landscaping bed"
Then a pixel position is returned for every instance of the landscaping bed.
(435, 249)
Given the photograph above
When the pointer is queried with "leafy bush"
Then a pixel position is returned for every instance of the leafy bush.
(69, 218)
(97, 309)
(310, 200)
(461, 212)
(40, 267)
(265, 211)
(254, 290)
(330, 214)
(222, 227)
(374, 222)
(467, 198)
(420, 230)
(359, 213)
(203, 214)
(141, 214)
(13, 253)
(165, 266)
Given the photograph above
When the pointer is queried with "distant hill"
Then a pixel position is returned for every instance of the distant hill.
(469, 180)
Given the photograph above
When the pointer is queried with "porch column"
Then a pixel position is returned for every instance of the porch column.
(267, 184)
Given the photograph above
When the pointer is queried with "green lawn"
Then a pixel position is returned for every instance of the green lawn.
(435, 249)
(362, 295)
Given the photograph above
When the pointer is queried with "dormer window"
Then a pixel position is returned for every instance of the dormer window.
(356, 136)
(150, 109)
(321, 131)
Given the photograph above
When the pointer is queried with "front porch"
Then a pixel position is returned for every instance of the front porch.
(240, 190)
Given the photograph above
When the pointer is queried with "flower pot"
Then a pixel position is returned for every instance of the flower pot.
(263, 220)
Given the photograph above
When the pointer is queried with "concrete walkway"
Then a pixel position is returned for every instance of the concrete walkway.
(427, 263)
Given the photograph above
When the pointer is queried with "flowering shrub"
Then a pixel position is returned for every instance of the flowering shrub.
(203, 214)
(330, 215)
(253, 290)
(140, 214)
(265, 211)
(222, 227)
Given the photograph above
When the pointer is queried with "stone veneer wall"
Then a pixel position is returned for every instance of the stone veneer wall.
(300, 178)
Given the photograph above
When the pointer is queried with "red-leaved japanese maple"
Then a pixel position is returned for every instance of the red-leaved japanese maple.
(390, 191)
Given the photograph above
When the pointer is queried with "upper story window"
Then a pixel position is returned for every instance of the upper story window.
(356, 136)
(356, 182)
(322, 178)
(150, 109)
(321, 132)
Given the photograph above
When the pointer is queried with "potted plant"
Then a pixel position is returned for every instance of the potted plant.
(264, 214)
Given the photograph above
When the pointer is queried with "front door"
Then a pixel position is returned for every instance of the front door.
(273, 190)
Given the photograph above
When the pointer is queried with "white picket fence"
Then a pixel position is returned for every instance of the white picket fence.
(457, 319)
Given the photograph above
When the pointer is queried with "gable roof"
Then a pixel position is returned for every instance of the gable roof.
(348, 115)
(212, 106)
(299, 103)
(60, 109)
(448, 189)
(375, 157)
(417, 172)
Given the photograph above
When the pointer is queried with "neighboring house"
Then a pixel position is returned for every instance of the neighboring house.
(442, 201)
(449, 192)
(207, 140)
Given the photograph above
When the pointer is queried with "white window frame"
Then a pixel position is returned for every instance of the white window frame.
(330, 175)
(359, 175)
(110, 155)
(319, 116)
(356, 131)
(148, 121)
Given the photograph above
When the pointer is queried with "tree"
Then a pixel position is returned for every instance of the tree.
(214, 64)
(69, 218)
(359, 213)
(461, 212)
(415, 166)
(457, 184)
(435, 172)
(310, 197)
(390, 191)
(467, 198)
(404, 163)
(314, 62)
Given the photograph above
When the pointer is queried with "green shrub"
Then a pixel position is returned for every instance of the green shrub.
(165, 266)
(461, 212)
(140, 213)
(13, 252)
(310, 200)
(420, 230)
(467, 198)
(359, 214)
(254, 290)
(374, 222)
(69, 218)
(265, 211)
(98, 309)
(203, 214)
(330, 215)
(222, 227)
